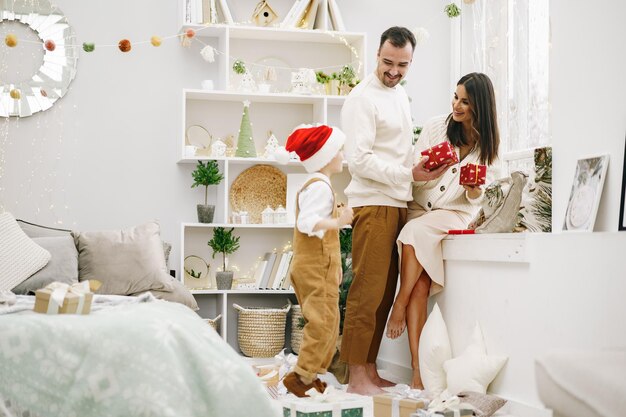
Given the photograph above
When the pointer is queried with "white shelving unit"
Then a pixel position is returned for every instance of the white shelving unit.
(219, 111)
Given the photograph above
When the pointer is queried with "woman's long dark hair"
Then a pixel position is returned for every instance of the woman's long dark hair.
(484, 117)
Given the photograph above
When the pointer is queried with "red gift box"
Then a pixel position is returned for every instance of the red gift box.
(440, 154)
(473, 174)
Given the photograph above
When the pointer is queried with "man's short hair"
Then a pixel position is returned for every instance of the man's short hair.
(398, 36)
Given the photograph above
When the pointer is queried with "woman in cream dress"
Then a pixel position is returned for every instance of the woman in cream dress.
(443, 204)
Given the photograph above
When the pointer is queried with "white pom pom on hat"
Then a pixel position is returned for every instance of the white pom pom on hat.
(315, 145)
(281, 155)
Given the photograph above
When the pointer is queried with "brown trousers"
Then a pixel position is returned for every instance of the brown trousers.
(375, 269)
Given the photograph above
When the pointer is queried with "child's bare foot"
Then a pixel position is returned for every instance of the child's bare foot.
(416, 382)
(397, 321)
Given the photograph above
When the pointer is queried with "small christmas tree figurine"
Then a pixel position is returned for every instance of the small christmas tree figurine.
(245, 143)
(271, 146)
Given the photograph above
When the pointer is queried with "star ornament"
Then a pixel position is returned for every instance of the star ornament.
(473, 370)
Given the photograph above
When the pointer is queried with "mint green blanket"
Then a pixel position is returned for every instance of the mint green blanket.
(141, 359)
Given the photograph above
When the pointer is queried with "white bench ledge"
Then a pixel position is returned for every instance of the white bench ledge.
(489, 247)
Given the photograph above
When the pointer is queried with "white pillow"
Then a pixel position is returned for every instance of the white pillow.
(473, 370)
(20, 257)
(434, 350)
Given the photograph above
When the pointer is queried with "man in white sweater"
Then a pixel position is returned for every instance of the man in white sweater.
(377, 122)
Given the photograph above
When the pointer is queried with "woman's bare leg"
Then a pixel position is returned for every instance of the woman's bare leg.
(409, 274)
(416, 314)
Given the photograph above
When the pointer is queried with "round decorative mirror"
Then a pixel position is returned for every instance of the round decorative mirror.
(51, 33)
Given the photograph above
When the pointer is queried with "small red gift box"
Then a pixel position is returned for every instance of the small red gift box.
(473, 174)
(440, 154)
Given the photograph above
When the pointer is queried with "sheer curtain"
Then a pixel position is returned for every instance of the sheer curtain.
(509, 40)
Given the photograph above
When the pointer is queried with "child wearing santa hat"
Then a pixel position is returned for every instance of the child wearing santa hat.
(316, 265)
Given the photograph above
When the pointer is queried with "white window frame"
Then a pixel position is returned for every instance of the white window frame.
(507, 155)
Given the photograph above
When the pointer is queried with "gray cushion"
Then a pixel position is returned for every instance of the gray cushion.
(63, 265)
(126, 261)
(37, 230)
(485, 405)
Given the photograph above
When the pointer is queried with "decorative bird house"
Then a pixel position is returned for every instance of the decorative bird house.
(263, 14)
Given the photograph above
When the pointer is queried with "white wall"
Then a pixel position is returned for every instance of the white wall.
(105, 155)
(587, 89)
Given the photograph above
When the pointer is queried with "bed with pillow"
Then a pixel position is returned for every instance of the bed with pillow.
(132, 355)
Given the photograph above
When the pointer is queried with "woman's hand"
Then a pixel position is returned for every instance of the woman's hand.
(473, 191)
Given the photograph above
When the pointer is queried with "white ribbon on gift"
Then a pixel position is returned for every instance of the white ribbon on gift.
(330, 395)
(60, 290)
(453, 404)
(285, 363)
(404, 392)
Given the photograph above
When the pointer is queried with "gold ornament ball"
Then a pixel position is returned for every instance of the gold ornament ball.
(10, 40)
(155, 41)
(15, 94)
(469, 1)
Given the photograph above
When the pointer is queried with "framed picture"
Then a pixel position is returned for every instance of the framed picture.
(622, 215)
(586, 192)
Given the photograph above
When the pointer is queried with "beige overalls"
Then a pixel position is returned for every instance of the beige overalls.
(315, 273)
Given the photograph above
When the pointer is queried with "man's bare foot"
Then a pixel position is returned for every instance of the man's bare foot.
(397, 321)
(416, 382)
(364, 388)
(360, 381)
(375, 377)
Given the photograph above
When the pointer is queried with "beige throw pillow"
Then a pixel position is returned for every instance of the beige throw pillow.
(125, 261)
(20, 257)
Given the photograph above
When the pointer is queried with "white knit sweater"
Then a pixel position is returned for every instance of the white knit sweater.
(445, 192)
(377, 122)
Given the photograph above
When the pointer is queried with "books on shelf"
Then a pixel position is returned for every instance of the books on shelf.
(206, 11)
(272, 272)
(335, 16)
(314, 14)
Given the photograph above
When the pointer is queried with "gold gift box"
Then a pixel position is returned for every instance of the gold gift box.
(383, 404)
(71, 301)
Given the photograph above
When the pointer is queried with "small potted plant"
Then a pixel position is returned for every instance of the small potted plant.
(224, 242)
(205, 175)
(346, 79)
(323, 79)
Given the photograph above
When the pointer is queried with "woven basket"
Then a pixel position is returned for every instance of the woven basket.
(213, 322)
(261, 331)
(296, 331)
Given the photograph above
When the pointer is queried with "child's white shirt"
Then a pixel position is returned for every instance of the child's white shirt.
(316, 203)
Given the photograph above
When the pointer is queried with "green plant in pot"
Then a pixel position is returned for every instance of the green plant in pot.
(205, 175)
(224, 242)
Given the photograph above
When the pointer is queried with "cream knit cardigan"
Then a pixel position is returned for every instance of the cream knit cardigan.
(445, 192)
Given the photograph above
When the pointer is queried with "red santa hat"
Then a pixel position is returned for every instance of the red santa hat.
(315, 145)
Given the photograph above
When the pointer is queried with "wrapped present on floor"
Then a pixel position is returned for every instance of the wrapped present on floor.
(268, 374)
(399, 403)
(333, 403)
(61, 298)
(451, 407)
(440, 154)
(473, 174)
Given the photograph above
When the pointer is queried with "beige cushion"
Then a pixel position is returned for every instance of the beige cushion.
(577, 383)
(179, 294)
(20, 257)
(125, 261)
